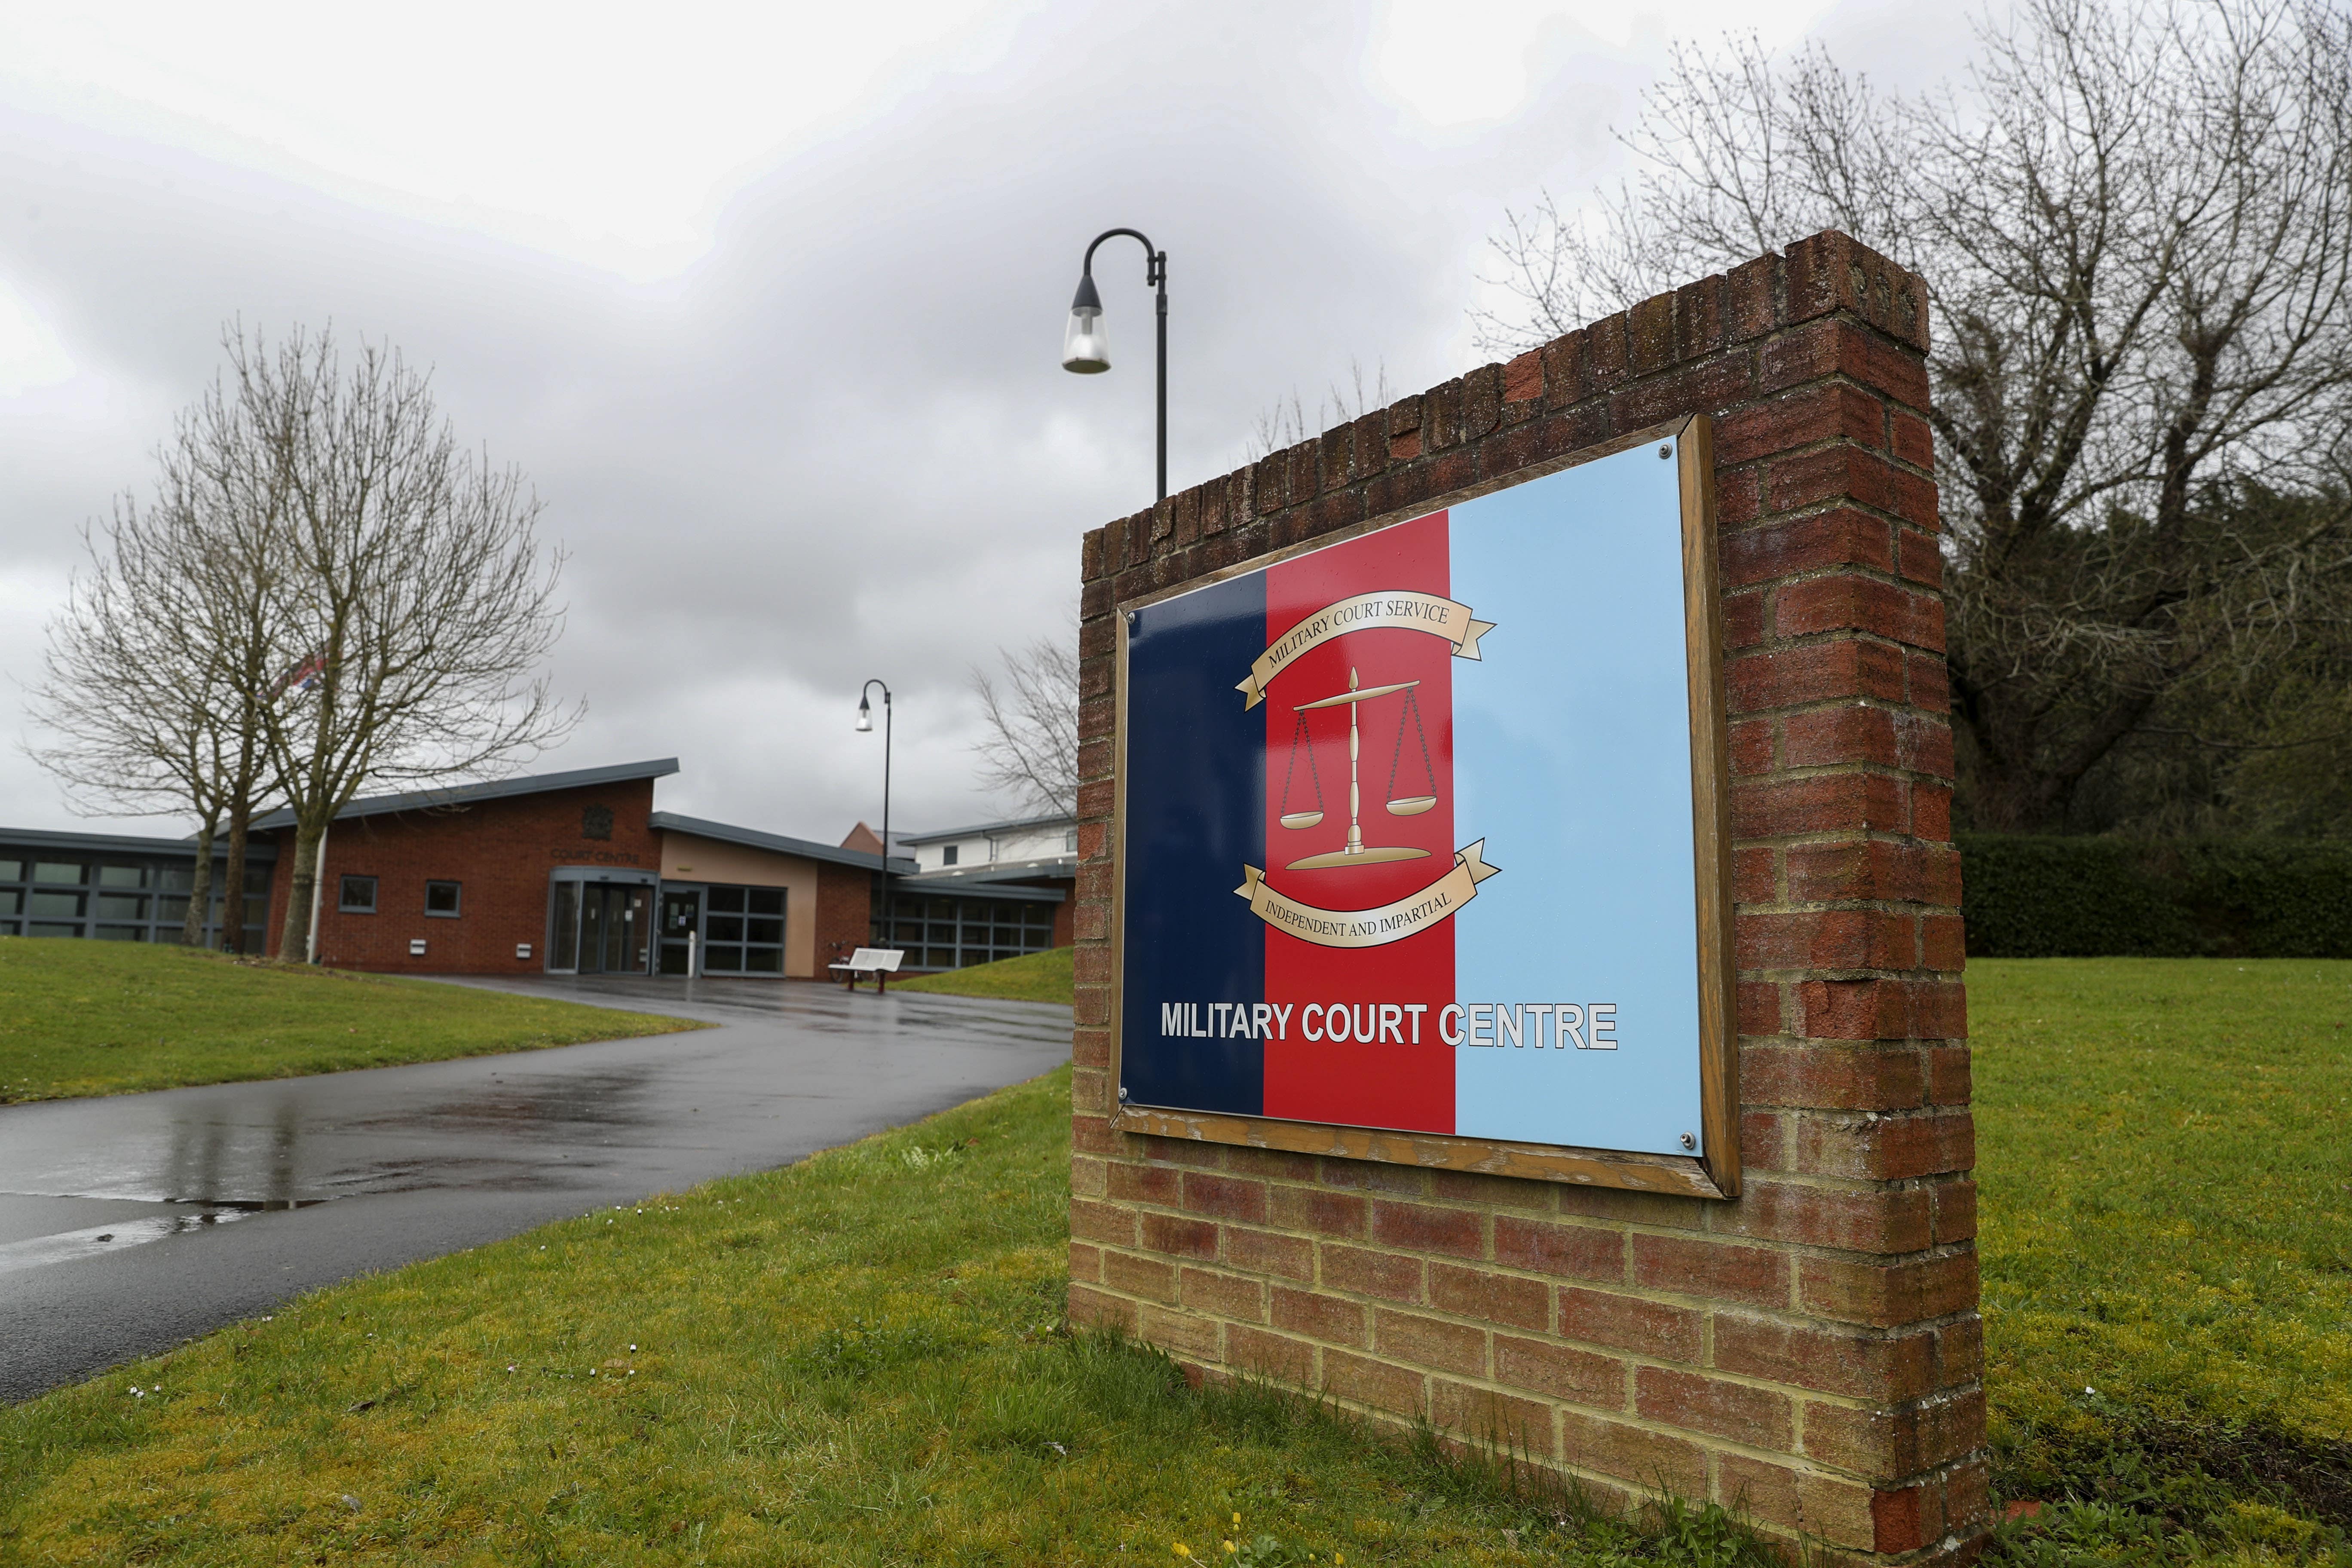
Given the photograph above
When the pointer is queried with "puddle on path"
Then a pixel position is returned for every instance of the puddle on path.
(92, 1240)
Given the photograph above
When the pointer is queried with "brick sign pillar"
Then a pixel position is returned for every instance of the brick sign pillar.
(1809, 1351)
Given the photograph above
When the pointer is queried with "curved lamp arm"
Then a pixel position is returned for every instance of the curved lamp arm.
(1155, 261)
(1085, 347)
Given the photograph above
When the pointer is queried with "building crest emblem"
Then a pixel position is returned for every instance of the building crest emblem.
(1393, 921)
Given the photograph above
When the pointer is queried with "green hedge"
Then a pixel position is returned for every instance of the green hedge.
(2029, 897)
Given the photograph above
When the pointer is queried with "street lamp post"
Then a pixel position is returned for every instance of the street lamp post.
(1085, 350)
(865, 727)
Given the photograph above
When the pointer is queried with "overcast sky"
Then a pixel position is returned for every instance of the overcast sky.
(767, 300)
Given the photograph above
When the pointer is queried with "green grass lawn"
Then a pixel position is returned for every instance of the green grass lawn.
(2165, 1158)
(1033, 977)
(745, 1374)
(740, 1374)
(103, 1017)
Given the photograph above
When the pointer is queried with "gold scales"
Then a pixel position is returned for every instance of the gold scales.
(1357, 852)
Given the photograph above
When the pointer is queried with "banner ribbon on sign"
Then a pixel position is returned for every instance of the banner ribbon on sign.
(1374, 927)
(1365, 612)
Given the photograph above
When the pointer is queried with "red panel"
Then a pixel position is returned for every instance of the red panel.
(1385, 1083)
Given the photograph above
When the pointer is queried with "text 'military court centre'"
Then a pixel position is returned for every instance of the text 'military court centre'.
(571, 873)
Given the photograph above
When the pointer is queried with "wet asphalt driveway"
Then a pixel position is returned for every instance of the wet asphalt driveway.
(129, 1224)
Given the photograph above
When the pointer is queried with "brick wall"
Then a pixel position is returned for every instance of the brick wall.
(500, 850)
(845, 912)
(1810, 1351)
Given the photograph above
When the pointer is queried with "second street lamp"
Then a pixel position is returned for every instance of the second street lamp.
(1085, 347)
(865, 727)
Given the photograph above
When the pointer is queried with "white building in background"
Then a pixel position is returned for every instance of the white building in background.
(996, 851)
(1034, 859)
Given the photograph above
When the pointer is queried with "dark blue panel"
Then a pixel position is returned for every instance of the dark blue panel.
(1195, 813)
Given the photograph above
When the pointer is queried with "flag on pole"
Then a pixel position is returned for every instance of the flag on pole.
(306, 675)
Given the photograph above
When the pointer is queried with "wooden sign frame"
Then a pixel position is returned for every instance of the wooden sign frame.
(1714, 1170)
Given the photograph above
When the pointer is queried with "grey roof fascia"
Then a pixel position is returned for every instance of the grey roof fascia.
(751, 838)
(1017, 893)
(944, 834)
(490, 789)
(1000, 871)
(123, 844)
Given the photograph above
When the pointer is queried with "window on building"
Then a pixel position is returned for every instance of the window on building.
(1070, 840)
(948, 855)
(441, 899)
(950, 933)
(117, 902)
(743, 930)
(357, 896)
(566, 927)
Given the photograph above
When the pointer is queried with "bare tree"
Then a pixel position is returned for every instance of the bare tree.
(2138, 222)
(233, 511)
(128, 701)
(1284, 424)
(1030, 750)
(412, 603)
(150, 689)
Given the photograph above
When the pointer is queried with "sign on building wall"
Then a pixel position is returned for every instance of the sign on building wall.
(1423, 853)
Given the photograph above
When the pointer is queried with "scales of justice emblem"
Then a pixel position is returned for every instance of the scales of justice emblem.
(1393, 922)
(1357, 852)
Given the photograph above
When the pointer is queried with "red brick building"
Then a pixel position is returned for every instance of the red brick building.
(578, 873)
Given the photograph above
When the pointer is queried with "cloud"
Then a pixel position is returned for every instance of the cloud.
(786, 373)
(1476, 62)
(605, 139)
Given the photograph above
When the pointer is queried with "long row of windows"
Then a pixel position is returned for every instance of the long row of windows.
(740, 929)
(115, 900)
(951, 933)
(714, 929)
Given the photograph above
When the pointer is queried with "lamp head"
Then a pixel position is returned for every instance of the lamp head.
(1085, 347)
(864, 716)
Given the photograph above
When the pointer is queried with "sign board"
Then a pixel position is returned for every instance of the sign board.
(1423, 842)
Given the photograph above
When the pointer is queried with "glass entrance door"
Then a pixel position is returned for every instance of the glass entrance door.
(612, 930)
(681, 925)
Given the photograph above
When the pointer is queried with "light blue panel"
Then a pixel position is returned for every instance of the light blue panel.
(1573, 760)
